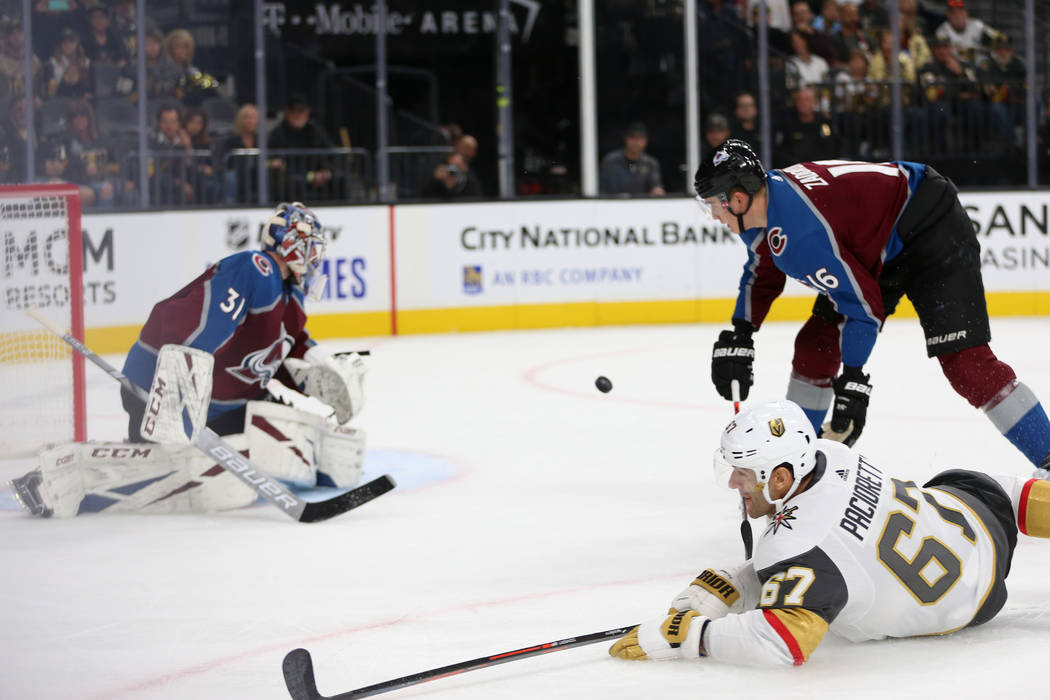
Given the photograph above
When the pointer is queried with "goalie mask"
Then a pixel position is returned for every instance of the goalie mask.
(763, 437)
(295, 234)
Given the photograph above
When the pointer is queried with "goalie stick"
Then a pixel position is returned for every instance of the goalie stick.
(299, 668)
(233, 461)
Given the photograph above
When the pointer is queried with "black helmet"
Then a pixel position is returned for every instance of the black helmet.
(732, 164)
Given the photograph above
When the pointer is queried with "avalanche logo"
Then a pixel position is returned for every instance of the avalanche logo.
(261, 365)
(777, 240)
(720, 157)
(262, 263)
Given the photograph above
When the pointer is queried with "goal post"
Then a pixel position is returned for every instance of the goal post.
(44, 397)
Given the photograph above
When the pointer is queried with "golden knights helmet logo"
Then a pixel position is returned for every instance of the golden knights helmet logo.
(776, 426)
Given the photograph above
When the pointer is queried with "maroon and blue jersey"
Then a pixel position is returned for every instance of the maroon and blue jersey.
(243, 313)
(831, 225)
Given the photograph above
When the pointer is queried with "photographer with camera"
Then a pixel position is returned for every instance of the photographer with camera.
(453, 179)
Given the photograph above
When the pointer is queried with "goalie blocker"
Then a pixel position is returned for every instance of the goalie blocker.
(299, 448)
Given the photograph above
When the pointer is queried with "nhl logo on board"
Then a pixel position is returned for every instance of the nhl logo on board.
(776, 427)
(720, 157)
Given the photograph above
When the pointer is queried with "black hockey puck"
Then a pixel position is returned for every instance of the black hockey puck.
(603, 384)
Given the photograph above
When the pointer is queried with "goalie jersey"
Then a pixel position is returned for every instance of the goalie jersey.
(866, 556)
(243, 313)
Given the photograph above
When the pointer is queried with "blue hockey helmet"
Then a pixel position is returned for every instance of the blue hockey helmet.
(294, 233)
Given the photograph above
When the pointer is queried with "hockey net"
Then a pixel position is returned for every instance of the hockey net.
(42, 377)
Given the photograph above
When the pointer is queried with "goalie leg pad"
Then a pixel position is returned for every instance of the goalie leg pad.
(284, 441)
(110, 477)
(341, 456)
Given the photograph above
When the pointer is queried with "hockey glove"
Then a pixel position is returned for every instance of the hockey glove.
(672, 637)
(732, 358)
(712, 593)
(852, 393)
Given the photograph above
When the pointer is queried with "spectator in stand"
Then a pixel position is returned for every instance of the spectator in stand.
(466, 146)
(951, 90)
(170, 181)
(240, 177)
(452, 179)
(804, 67)
(880, 71)
(14, 133)
(819, 43)
(855, 100)
(192, 84)
(630, 170)
(68, 52)
(195, 128)
(302, 177)
(807, 134)
(880, 67)
(124, 23)
(91, 164)
(716, 131)
(828, 19)
(913, 33)
(162, 75)
(968, 36)
(49, 19)
(873, 16)
(745, 125)
(12, 65)
(102, 44)
(851, 33)
(1003, 76)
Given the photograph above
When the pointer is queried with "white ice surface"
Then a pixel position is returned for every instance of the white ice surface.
(564, 512)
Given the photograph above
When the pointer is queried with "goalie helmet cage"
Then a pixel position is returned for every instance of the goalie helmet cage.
(44, 395)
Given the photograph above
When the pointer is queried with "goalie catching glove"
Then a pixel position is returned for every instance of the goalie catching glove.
(335, 381)
(676, 636)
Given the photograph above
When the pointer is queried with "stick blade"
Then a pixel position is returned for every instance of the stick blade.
(323, 510)
(299, 675)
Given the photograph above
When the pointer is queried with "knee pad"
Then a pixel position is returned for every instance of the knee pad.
(976, 374)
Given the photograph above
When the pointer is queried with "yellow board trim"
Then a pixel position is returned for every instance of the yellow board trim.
(117, 339)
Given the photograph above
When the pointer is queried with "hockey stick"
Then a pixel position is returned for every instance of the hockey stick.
(745, 526)
(299, 668)
(233, 461)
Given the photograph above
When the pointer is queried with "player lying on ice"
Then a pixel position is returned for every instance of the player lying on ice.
(848, 548)
(247, 312)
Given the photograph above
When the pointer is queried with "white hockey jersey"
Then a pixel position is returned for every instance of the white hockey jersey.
(865, 555)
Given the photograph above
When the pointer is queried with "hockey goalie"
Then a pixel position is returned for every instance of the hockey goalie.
(208, 354)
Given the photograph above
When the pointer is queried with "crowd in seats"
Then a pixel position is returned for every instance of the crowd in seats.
(86, 105)
(832, 63)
